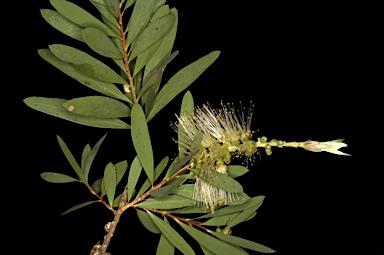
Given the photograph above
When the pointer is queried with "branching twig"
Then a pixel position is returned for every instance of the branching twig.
(124, 205)
(190, 223)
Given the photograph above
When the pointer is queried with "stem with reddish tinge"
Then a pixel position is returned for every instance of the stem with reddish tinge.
(126, 59)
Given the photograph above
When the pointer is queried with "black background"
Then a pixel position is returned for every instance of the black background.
(292, 61)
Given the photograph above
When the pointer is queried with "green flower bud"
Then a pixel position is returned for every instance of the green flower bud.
(268, 149)
(227, 231)
(263, 139)
(218, 229)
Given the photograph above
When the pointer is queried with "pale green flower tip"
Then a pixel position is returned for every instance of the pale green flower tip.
(330, 146)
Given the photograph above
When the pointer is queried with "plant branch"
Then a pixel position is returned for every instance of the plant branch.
(124, 205)
(126, 59)
(187, 221)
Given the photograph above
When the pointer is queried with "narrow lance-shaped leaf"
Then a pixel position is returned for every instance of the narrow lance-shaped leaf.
(107, 16)
(243, 242)
(86, 63)
(254, 201)
(143, 58)
(121, 168)
(226, 183)
(175, 238)
(109, 182)
(158, 170)
(165, 247)
(243, 216)
(165, 203)
(140, 15)
(211, 243)
(57, 178)
(141, 140)
(156, 74)
(180, 81)
(81, 205)
(148, 222)
(113, 6)
(152, 34)
(128, 4)
(71, 159)
(165, 47)
(236, 170)
(98, 106)
(91, 157)
(54, 107)
(87, 149)
(100, 43)
(133, 176)
(187, 107)
(62, 24)
(105, 88)
(79, 16)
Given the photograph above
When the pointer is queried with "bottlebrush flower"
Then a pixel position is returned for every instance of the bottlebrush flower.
(226, 133)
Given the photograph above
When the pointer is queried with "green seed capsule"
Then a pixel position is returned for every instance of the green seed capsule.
(263, 139)
(279, 142)
(268, 152)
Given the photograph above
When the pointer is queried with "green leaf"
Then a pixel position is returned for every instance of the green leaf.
(165, 203)
(185, 190)
(162, 11)
(221, 220)
(109, 182)
(62, 24)
(141, 140)
(236, 170)
(105, 88)
(86, 63)
(133, 176)
(221, 181)
(241, 217)
(254, 201)
(121, 168)
(156, 74)
(98, 106)
(54, 107)
(148, 222)
(224, 182)
(187, 104)
(189, 210)
(141, 14)
(107, 16)
(152, 34)
(71, 159)
(96, 186)
(84, 156)
(158, 170)
(116, 201)
(180, 81)
(179, 162)
(206, 251)
(175, 238)
(79, 16)
(165, 247)
(113, 6)
(79, 206)
(243, 242)
(91, 157)
(143, 58)
(163, 191)
(165, 47)
(128, 4)
(100, 43)
(209, 242)
(57, 178)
